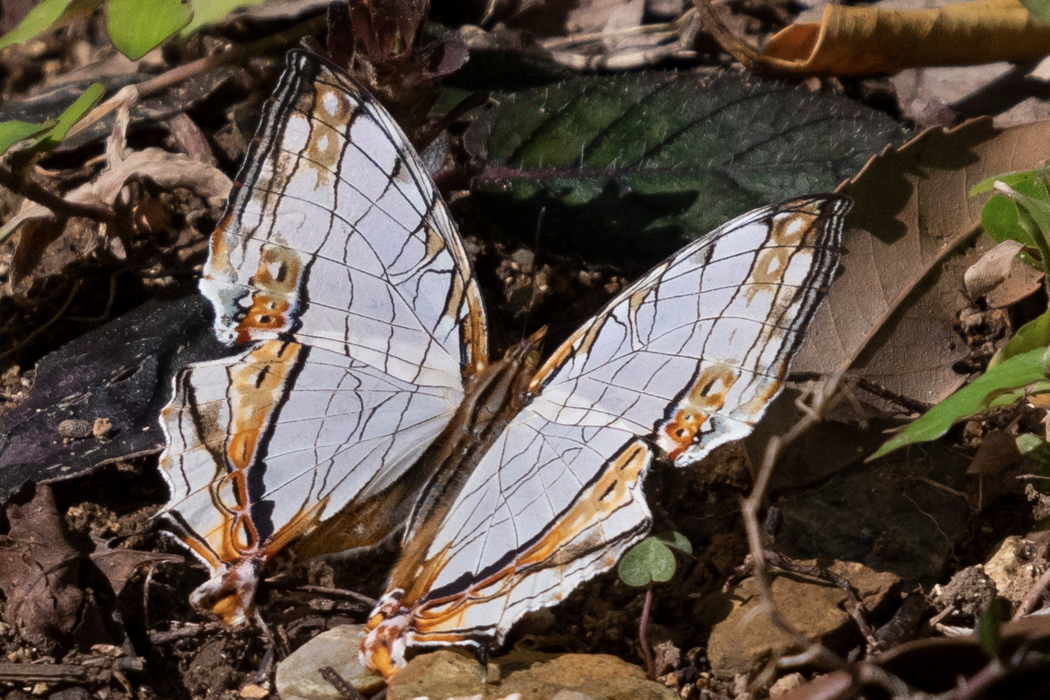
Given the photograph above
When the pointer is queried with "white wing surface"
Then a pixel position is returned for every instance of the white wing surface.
(685, 359)
(338, 270)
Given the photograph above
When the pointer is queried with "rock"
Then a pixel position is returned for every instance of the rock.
(1012, 568)
(69, 694)
(786, 684)
(741, 639)
(527, 675)
(299, 676)
(571, 695)
(595, 675)
(969, 592)
(444, 673)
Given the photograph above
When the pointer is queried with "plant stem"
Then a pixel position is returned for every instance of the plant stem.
(650, 666)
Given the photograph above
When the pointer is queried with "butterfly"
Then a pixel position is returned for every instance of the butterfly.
(359, 400)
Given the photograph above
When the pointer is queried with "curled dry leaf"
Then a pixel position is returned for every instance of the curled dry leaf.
(868, 40)
(999, 268)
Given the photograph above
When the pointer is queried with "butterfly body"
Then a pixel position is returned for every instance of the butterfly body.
(362, 403)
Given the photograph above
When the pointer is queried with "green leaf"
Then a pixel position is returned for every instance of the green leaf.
(1017, 179)
(207, 12)
(50, 133)
(984, 393)
(1001, 220)
(648, 561)
(70, 116)
(39, 19)
(629, 168)
(14, 131)
(1040, 9)
(1026, 442)
(1036, 450)
(989, 627)
(1032, 335)
(676, 540)
(137, 26)
(1029, 223)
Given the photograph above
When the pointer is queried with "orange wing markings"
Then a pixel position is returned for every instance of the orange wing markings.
(577, 532)
(787, 239)
(332, 112)
(257, 387)
(273, 299)
(705, 398)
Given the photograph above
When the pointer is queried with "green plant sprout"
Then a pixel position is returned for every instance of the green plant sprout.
(649, 562)
(1018, 211)
(46, 135)
(135, 26)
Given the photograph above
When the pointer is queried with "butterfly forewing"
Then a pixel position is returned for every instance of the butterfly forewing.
(338, 268)
(680, 362)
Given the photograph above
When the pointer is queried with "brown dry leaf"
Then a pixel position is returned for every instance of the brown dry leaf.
(997, 452)
(119, 565)
(38, 575)
(868, 40)
(889, 315)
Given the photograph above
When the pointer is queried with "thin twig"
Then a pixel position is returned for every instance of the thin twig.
(328, 592)
(1032, 598)
(109, 304)
(191, 629)
(34, 192)
(345, 690)
(853, 603)
(234, 56)
(752, 505)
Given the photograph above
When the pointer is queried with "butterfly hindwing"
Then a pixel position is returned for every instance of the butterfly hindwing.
(338, 269)
(683, 360)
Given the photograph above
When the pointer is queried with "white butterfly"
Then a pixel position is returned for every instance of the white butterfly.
(363, 400)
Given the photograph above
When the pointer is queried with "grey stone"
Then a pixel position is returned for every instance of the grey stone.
(299, 676)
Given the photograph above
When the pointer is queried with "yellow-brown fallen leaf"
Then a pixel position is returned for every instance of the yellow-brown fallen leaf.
(866, 40)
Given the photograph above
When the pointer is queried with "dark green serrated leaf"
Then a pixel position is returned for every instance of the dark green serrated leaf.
(994, 388)
(676, 540)
(137, 26)
(629, 168)
(648, 561)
